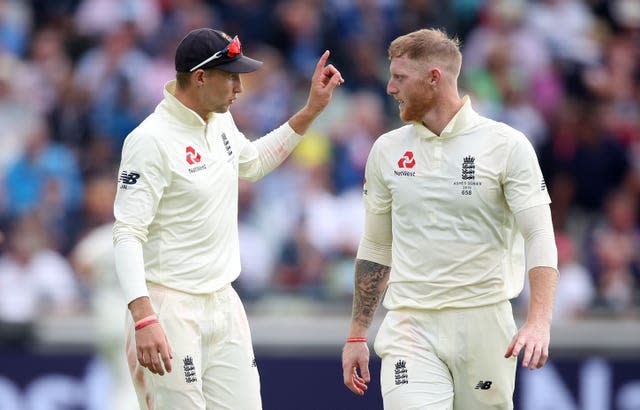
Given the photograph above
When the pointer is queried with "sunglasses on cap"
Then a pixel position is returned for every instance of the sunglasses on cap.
(233, 49)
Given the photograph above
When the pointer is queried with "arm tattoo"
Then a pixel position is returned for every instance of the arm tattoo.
(370, 282)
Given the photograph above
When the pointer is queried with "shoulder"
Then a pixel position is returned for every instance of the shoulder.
(145, 139)
(147, 131)
(512, 146)
(503, 134)
(387, 145)
(394, 137)
(225, 121)
(506, 132)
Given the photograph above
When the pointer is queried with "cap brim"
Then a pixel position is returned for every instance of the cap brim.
(242, 65)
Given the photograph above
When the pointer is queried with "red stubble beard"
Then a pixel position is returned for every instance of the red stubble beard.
(413, 109)
(418, 100)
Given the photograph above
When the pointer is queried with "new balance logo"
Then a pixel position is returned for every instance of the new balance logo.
(129, 178)
(189, 370)
(468, 167)
(543, 185)
(483, 385)
(253, 363)
(402, 375)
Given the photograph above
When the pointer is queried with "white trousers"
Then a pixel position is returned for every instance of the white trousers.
(447, 359)
(214, 366)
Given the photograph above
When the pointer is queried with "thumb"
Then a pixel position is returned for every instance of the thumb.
(364, 372)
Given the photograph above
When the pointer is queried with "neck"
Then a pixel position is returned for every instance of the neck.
(442, 112)
(189, 98)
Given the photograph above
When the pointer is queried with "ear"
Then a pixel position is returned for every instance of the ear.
(198, 78)
(434, 76)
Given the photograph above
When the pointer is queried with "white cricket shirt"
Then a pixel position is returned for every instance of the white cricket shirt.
(178, 196)
(452, 198)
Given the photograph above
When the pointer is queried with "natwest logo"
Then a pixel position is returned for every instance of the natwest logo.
(407, 161)
(192, 155)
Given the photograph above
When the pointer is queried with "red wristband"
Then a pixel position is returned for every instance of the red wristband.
(356, 339)
(144, 322)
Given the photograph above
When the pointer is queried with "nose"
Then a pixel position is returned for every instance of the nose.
(237, 86)
(391, 89)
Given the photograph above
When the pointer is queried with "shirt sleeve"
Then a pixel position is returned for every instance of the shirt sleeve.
(536, 227)
(524, 185)
(377, 197)
(141, 180)
(258, 158)
(375, 245)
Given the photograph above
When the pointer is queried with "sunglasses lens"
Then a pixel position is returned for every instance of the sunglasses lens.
(234, 48)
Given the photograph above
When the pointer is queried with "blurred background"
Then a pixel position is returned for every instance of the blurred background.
(76, 76)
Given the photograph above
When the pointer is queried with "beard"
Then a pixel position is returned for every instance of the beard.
(414, 109)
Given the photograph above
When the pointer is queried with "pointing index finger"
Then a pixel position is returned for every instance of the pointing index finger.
(321, 62)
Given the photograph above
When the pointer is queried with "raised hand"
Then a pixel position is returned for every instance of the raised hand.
(325, 79)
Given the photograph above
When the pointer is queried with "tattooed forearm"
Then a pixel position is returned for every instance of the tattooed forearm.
(370, 281)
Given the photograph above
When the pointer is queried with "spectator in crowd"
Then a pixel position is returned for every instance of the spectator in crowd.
(93, 261)
(35, 280)
(108, 76)
(16, 116)
(615, 253)
(46, 180)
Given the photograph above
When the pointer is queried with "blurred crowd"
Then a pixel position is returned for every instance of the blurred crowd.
(76, 76)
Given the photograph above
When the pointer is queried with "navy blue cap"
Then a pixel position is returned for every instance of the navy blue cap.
(201, 44)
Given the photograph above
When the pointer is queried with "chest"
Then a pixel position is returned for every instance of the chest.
(201, 162)
(452, 175)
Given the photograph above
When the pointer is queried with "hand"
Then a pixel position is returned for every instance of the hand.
(323, 82)
(534, 338)
(151, 342)
(355, 356)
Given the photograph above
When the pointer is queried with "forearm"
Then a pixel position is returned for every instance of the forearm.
(542, 260)
(276, 146)
(542, 281)
(129, 263)
(370, 281)
(268, 152)
(536, 227)
(302, 120)
(141, 308)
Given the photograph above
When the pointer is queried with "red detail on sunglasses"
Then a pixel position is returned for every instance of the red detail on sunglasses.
(234, 48)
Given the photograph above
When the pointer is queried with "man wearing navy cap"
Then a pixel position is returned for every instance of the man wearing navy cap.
(176, 234)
